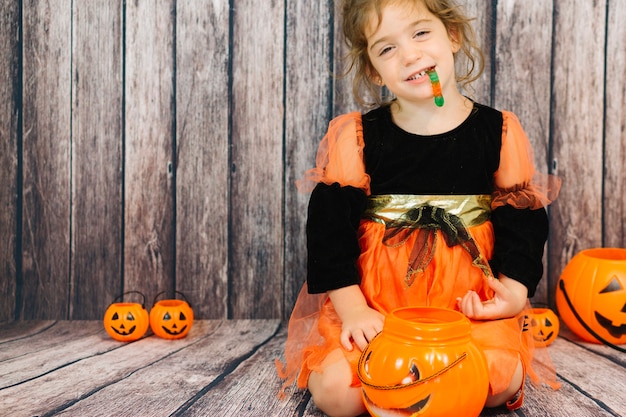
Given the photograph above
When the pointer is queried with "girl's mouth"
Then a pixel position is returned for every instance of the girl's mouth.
(420, 74)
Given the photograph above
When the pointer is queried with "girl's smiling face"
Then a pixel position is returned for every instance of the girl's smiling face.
(407, 42)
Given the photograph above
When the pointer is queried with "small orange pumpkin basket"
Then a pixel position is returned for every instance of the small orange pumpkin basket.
(171, 318)
(124, 321)
(591, 296)
(544, 325)
(424, 363)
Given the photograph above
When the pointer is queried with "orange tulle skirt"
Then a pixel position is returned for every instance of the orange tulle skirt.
(314, 327)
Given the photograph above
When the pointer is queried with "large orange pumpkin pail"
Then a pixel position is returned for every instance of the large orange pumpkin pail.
(424, 363)
(591, 295)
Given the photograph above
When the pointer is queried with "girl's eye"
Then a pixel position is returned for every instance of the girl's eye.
(420, 33)
(385, 50)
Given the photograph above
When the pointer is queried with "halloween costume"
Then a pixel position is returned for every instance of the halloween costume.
(419, 221)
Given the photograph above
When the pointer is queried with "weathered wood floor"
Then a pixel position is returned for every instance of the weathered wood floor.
(226, 368)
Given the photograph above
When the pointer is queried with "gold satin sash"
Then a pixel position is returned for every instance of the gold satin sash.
(473, 210)
(429, 216)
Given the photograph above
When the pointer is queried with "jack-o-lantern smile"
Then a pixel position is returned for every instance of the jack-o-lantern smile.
(412, 377)
(404, 412)
(615, 331)
(544, 325)
(541, 337)
(173, 330)
(121, 330)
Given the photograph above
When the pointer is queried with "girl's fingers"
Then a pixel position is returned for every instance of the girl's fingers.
(471, 305)
(496, 285)
(360, 341)
(371, 334)
(345, 340)
(466, 305)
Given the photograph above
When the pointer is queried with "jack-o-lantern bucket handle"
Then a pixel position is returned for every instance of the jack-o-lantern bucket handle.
(582, 322)
(175, 292)
(403, 386)
(121, 297)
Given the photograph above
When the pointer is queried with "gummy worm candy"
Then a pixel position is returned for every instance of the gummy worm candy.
(434, 79)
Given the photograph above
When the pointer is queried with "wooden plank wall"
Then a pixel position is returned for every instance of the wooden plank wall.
(153, 145)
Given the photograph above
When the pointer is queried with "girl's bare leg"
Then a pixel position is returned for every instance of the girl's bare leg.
(331, 390)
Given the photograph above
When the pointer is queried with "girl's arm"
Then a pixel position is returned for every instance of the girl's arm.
(360, 323)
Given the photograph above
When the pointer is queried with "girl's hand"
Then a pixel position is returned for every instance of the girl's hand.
(360, 322)
(360, 325)
(508, 301)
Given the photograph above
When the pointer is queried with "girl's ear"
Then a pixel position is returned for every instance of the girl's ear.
(455, 38)
(374, 77)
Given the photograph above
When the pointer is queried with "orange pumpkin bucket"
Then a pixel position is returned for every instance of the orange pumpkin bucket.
(172, 318)
(126, 322)
(544, 325)
(424, 363)
(591, 295)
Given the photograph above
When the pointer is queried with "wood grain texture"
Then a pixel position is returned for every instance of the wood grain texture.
(10, 91)
(39, 354)
(226, 367)
(149, 180)
(611, 396)
(251, 388)
(22, 328)
(158, 142)
(46, 146)
(257, 182)
(202, 155)
(343, 99)
(614, 204)
(577, 113)
(179, 371)
(102, 363)
(97, 158)
(307, 111)
(483, 20)
(522, 80)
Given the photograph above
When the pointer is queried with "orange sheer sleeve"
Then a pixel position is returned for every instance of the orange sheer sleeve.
(517, 182)
(339, 156)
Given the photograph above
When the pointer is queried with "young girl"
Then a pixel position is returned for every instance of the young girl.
(423, 201)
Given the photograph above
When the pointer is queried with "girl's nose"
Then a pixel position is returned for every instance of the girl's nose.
(410, 54)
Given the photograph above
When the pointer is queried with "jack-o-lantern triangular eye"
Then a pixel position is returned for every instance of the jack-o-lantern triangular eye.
(130, 317)
(613, 286)
(182, 316)
(115, 316)
(548, 322)
(167, 316)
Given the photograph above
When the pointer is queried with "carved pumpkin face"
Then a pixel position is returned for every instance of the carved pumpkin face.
(544, 325)
(591, 296)
(171, 319)
(420, 358)
(126, 322)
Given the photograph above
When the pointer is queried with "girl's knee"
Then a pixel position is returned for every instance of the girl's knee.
(334, 396)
